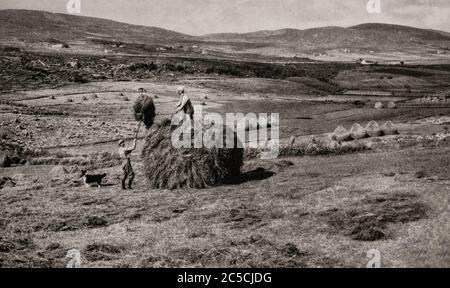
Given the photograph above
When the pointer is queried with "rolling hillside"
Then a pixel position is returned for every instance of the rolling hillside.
(361, 36)
(26, 26)
(35, 26)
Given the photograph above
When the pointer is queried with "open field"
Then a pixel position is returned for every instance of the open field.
(324, 202)
(291, 212)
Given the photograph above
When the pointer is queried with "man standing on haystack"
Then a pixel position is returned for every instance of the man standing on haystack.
(184, 104)
(127, 169)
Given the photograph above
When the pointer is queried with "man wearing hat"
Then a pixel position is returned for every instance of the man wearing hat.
(127, 169)
(184, 104)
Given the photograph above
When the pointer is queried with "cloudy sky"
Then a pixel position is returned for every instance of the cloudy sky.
(198, 17)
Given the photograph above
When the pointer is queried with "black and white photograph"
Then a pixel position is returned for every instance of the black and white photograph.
(224, 134)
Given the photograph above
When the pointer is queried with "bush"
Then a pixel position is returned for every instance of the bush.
(5, 161)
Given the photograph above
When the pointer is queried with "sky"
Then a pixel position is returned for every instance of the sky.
(198, 17)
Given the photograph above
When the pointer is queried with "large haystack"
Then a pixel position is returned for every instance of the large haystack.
(144, 110)
(341, 134)
(358, 132)
(167, 167)
(373, 129)
(389, 128)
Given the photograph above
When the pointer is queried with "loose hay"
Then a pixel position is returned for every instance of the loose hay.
(144, 110)
(368, 220)
(358, 132)
(102, 252)
(389, 128)
(341, 134)
(167, 167)
(373, 129)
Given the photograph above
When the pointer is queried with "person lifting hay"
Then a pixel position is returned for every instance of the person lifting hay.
(144, 111)
(127, 169)
(184, 105)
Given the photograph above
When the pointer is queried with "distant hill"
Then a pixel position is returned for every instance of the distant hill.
(40, 26)
(33, 26)
(372, 35)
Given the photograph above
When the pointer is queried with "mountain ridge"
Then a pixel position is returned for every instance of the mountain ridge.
(39, 26)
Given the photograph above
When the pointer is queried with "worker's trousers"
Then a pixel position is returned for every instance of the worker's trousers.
(127, 173)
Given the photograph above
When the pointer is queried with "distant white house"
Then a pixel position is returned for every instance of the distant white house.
(57, 46)
(367, 62)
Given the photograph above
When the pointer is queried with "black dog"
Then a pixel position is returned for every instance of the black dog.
(92, 180)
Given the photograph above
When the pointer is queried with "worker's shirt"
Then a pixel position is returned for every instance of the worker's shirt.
(125, 153)
(185, 105)
(183, 101)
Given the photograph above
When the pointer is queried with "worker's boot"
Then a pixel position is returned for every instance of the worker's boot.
(123, 183)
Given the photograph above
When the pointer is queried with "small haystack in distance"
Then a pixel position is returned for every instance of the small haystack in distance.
(358, 132)
(167, 167)
(58, 172)
(389, 128)
(373, 129)
(341, 134)
(379, 105)
(392, 105)
(144, 110)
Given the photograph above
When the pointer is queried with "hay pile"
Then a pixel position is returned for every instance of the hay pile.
(392, 105)
(58, 172)
(373, 129)
(379, 105)
(167, 167)
(144, 110)
(389, 128)
(358, 132)
(341, 134)
(368, 219)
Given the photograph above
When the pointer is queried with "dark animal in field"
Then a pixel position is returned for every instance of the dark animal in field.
(92, 180)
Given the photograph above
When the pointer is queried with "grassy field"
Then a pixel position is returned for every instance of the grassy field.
(301, 215)
(302, 211)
